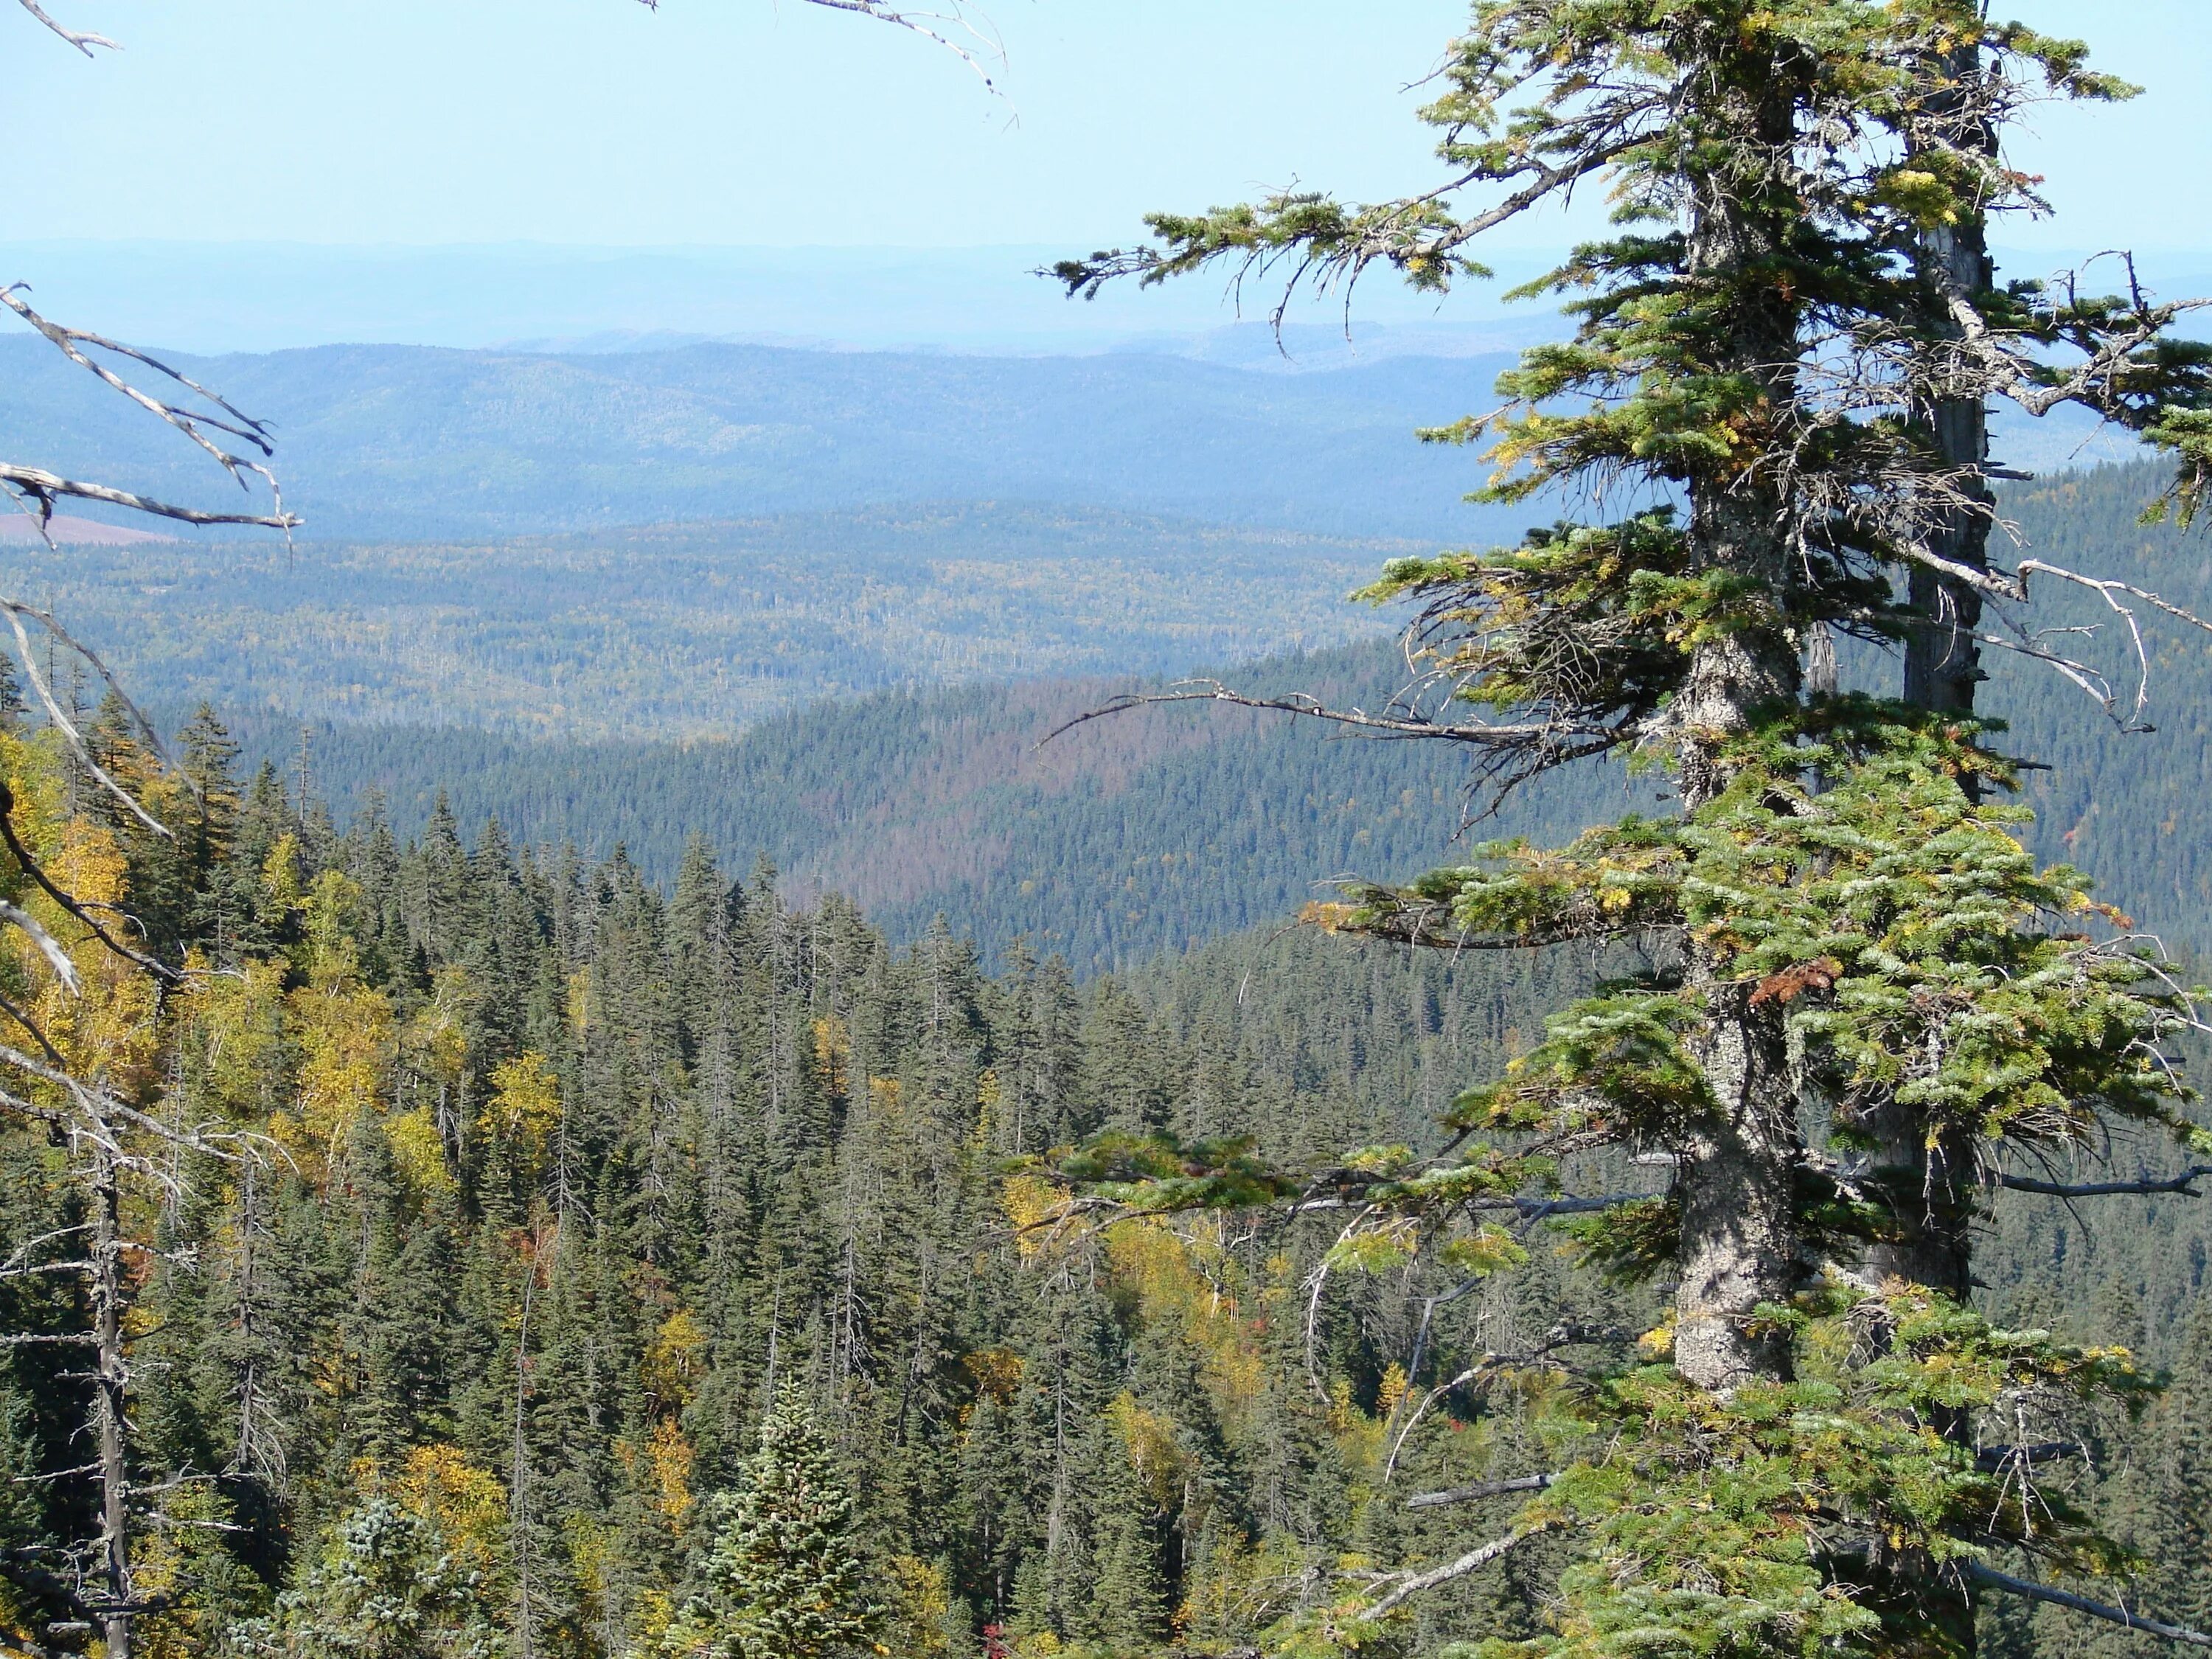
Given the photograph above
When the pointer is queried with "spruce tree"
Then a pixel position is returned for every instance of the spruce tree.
(784, 1576)
(385, 1584)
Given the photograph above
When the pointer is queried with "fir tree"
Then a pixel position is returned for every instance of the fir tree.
(1843, 938)
(784, 1577)
(386, 1586)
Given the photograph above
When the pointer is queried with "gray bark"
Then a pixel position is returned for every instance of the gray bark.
(110, 1387)
(1928, 1172)
(1736, 1175)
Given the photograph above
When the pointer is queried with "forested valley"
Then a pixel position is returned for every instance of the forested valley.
(487, 1199)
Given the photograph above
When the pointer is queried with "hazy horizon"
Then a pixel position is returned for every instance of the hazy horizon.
(211, 298)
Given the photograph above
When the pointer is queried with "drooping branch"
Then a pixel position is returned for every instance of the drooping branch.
(2059, 1598)
(1412, 1584)
(1492, 1365)
(1326, 244)
(1310, 707)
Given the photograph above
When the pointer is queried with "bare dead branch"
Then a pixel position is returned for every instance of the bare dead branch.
(83, 43)
(188, 421)
(49, 947)
(1480, 1489)
(2035, 1592)
(16, 613)
(32, 867)
(1412, 1584)
(1998, 1457)
(2109, 591)
(2185, 1184)
(44, 488)
(943, 27)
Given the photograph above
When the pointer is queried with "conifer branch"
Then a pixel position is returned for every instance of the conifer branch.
(2035, 1592)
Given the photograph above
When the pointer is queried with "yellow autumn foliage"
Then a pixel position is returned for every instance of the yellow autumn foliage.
(994, 1371)
(669, 1456)
(675, 1361)
(333, 911)
(239, 1022)
(525, 1107)
(467, 1504)
(833, 1046)
(344, 1034)
(1161, 1268)
(922, 1601)
(436, 1040)
(1155, 1453)
(419, 1152)
(1030, 1204)
(988, 1096)
(105, 1032)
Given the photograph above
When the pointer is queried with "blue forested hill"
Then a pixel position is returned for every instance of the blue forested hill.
(412, 443)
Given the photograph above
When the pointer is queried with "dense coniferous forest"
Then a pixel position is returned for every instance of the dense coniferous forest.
(947, 1188)
(539, 1186)
(542, 1182)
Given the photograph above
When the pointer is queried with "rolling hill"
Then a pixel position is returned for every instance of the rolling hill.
(409, 443)
(694, 630)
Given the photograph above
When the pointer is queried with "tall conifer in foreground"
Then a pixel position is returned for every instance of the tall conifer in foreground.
(1839, 933)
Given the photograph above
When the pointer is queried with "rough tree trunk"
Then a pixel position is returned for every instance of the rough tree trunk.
(1736, 1170)
(1927, 1174)
(1735, 1173)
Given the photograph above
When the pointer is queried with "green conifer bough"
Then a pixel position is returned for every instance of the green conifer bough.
(1779, 363)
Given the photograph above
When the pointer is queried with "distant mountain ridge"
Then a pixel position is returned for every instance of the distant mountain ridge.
(406, 443)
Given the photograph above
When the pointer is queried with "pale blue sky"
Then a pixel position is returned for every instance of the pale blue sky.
(751, 121)
(453, 171)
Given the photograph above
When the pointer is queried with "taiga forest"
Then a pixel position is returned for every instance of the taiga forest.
(766, 1002)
